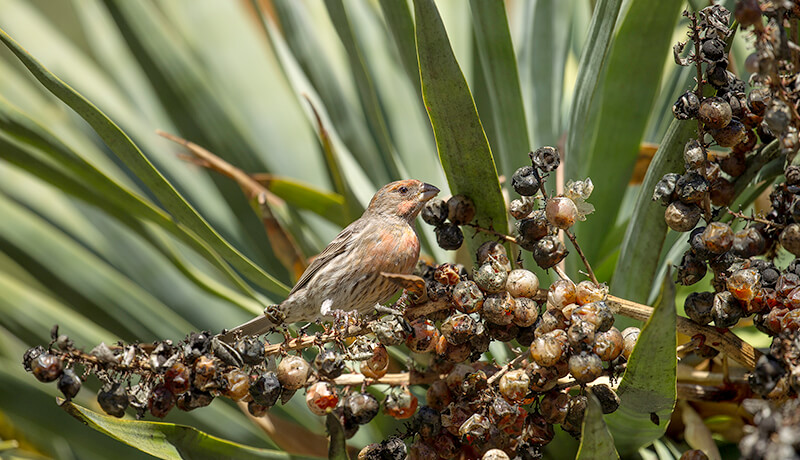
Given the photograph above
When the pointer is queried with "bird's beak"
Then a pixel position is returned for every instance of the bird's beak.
(428, 191)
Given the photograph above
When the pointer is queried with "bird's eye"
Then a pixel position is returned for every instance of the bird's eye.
(403, 190)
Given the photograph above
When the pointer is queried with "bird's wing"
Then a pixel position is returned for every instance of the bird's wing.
(334, 249)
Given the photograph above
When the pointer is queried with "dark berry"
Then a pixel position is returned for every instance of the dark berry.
(113, 399)
(266, 389)
(691, 269)
(717, 237)
(434, 212)
(177, 379)
(609, 401)
(449, 236)
(251, 349)
(691, 187)
(525, 181)
(161, 401)
(549, 251)
(698, 307)
(69, 384)
(726, 310)
(194, 399)
(428, 421)
(713, 49)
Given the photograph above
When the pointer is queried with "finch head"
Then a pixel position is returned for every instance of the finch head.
(404, 198)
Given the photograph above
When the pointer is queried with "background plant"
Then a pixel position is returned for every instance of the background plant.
(324, 93)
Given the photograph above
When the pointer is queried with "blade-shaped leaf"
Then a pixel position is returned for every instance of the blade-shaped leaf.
(401, 25)
(627, 97)
(130, 154)
(593, 57)
(167, 440)
(542, 67)
(499, 66)
(596, 441)
(365, 87)
(647, 391)
(337, 448)
(460, 140)
(646, 230)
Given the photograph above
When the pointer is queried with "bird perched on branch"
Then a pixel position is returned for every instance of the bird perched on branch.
(346, 275)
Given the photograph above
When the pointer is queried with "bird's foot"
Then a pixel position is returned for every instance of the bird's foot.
(274, 314)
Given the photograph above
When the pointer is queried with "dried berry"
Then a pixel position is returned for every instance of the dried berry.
(744, 284)
(681, 217)
(691, 269)
(525, 181)
(161, 401)
(664, 191)
(467, 296)
(748, 242)
(266, 389)
(113, 399)
(714, 112)
(717, 237)
(69, 384)
(609, 401)
(522, 283)
(608, 345)
(790, 239)
(400, 404)
(177, 379)
(47, 367)
(691, 187)
(549, 251)
(329, 364)
(293, 372)
(686, 107)
(237, 384)
(428, 421)
(193, 399)
(423, 336)
(561, 212)
(561, 293)
(434, 212)
(514, 385)
(587, 292)
(698, 307)
(460, 209)
(205, 371)
(321, 398)
(585, 366)
(526, 312)
(449, 236)
(491, 277)
(629, 337)
(251, 349)
(545, 158)
(377, 365)
(550, 348)
(459, 328)
(726, 310)
(499, 308)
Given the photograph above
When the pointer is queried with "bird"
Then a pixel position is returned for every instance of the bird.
(346, 275)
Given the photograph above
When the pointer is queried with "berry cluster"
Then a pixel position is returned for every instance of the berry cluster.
(458, 210)
(776, 431)
(746, 280)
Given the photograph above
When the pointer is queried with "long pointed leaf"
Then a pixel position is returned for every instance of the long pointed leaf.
(593, 57)
(596, 441)
(499, 65)
(463, 149)
(647, 391)
(627, 98)
(167, 440)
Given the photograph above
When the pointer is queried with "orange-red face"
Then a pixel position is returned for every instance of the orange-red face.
(403, 198)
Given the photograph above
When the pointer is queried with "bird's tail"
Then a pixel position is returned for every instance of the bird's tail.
(256, 326)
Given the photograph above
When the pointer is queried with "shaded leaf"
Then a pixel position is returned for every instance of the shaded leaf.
(499, 67)
(167, 440)
(647, 391)
(460, 140)
(647, 230)
(632, 81)
(590, 67)
(337, 448)
(328, 205)
(596, 441)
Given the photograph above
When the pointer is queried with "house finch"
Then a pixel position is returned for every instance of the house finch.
(346, 275)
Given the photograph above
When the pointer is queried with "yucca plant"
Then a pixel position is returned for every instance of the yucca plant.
(288, 116)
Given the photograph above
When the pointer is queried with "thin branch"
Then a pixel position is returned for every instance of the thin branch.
(496, 376)
(582, 256)
(500, 235)
(743, 216)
